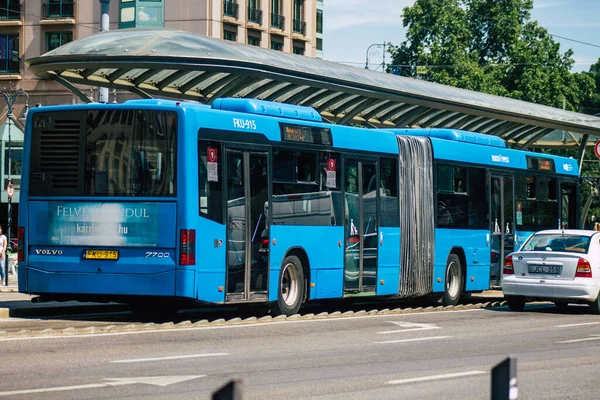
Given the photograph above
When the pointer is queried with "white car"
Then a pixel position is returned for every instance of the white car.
(555, 265)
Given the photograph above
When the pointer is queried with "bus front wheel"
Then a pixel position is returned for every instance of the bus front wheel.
(453, 285)
(291, 288)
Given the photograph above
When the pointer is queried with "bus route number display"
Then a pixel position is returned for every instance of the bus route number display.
(306, 134)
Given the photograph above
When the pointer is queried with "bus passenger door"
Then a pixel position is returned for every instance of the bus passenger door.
(246, 224)
(361, 210)
(502, 229)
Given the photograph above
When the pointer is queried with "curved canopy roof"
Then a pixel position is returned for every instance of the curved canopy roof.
(167, 63)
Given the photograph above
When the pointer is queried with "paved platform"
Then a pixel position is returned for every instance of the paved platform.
(15, 304)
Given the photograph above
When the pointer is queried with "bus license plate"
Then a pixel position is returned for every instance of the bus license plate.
(101, 255)
(544, 269)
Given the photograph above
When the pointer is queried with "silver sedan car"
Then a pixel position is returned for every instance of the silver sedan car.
(562, 266)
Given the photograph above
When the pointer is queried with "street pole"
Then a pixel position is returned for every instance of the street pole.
(10, 100)
(104, 27)
(367, 54)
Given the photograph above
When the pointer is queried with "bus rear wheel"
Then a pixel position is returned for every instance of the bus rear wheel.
(453, 285)
(291, 288)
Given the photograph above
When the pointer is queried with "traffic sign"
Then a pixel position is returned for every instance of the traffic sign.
(10, 190)
(597, 149)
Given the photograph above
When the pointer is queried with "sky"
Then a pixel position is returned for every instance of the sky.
(351, 26)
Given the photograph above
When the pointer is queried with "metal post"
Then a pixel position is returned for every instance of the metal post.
(231, 391)
(504, 380)
(10, 100)
(369, 49)
(104, 27)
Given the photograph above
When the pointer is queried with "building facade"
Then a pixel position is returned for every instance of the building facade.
(29, 28)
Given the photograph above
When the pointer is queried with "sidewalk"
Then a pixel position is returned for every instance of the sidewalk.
(15, 304)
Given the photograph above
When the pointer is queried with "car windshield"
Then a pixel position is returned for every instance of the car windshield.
(557, 242)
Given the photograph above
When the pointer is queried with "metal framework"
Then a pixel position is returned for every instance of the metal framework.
(182, 65)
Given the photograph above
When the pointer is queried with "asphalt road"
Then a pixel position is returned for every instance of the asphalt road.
(433, 355)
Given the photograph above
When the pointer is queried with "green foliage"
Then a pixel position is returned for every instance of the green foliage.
(490, 46)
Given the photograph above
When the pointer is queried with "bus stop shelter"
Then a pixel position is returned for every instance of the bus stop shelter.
(176, 64)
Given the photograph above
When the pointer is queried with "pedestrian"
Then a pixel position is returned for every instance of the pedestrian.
(3, 243)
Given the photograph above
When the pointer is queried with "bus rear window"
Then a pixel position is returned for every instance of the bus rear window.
(104, 153)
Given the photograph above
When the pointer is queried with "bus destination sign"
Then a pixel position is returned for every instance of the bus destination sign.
(306, 134)
(541, 164)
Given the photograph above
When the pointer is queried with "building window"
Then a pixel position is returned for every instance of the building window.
(276, 43)
(59, 9)
(9, 53)
(299, 23)
(10, 9)
(298, 47)
(254, 38)
(230, 8)
(276, 7)
(141, 13)
(16, 163)
(254, 12)
(277, 20)
(230, 33)
(319, 44)
(319, 21)
(57, 39)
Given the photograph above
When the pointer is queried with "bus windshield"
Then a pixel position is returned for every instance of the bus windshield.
(104, 153)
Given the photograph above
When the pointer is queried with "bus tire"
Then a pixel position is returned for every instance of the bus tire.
(453, 285)
(290, 289)
(515, 303)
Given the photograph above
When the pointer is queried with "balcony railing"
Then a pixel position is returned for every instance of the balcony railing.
(231, 9)
(300, 26)
(277, 21)
(255, 15)
(11, 65)
(58, 9)
(10, 10)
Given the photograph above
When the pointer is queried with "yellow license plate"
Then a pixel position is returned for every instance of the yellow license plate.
(101, 254)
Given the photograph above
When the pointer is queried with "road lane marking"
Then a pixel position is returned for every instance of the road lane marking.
(436, 377)
(592, 337)
(239, 326)
(582, 324)
(410, 327)
(407, 330)
(148, 380)
(414, 340)
(136, 360)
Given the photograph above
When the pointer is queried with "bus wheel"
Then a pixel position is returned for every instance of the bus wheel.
(454, 281)
(291, 287)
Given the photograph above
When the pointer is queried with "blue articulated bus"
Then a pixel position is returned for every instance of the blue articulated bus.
(155, 203)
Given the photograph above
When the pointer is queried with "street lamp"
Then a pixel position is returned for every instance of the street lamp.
(369, 49)
(10, 98)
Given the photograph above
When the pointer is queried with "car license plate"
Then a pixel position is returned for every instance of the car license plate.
(101, 255)
(544, 269)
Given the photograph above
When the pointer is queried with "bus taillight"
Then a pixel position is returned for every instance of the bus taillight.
(187, 247)
(264, 243)
(21, 244)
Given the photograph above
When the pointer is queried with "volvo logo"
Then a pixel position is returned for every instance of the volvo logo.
(49, 252)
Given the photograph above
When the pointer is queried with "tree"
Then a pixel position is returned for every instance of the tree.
(490, 46)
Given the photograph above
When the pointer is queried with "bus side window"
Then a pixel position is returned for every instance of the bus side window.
(210, 192)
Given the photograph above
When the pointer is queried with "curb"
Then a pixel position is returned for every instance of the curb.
(59, 310)
(143, 326)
